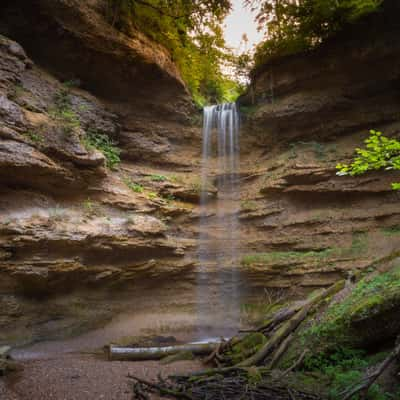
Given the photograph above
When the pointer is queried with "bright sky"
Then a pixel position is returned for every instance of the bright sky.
(241, 21)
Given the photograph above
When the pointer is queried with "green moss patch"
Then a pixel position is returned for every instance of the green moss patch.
(369, 313)
(249, 345)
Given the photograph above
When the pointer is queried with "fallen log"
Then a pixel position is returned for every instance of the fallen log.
(280, 351)
(117, 353)
(290, 326)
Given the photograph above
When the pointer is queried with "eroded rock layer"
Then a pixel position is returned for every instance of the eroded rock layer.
(304, 114)
(81, 241)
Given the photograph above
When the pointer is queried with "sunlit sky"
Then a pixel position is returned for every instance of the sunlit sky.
(241, 21)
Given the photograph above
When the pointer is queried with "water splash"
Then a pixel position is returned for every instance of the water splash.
(218, 275)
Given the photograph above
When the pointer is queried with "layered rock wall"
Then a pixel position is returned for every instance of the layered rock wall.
(303, 115)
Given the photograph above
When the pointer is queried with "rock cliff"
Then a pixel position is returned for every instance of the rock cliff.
(303, 115)
(81, 241)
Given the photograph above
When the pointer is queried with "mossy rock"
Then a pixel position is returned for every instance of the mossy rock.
(366, 318)
(249, 345)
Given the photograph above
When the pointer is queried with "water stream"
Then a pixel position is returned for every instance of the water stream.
(218, 276)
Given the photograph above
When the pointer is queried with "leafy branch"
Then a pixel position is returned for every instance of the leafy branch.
(380, 152)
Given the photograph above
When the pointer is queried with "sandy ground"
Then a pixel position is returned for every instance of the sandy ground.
(77, 377)
(75, 369)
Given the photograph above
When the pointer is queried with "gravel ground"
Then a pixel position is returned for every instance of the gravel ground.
(82, 377)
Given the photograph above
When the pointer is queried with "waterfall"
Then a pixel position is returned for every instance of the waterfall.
(218, 275)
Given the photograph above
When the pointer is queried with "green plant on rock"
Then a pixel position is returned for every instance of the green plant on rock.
(63, 112)
(89, 207)
(391, 231)
(152, 195)
(102, 142)
(284, 256)
(34, 136)
(379, 153)
(135, 187)
(169, 198)
(371, 296)
(158, 178)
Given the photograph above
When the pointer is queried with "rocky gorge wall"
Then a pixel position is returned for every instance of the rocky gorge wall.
(303, 115)
(80, 242)
(74, 231)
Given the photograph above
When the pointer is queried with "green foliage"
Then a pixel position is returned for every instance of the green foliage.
(191, 31)
(294, 26)
(158, 178)
(63, 112)
(371, 296)
(101, 142)
(391, 231)
(250, 344)
(283, 256)
(380, 152)
(34, 137)
(152, 195)
(359, 245)
(169, 198)
(89, 207)
(345, 367)
(135, 187)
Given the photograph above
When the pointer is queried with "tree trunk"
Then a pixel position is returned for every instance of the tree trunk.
(156, 353)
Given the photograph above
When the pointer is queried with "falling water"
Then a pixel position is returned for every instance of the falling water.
(218, 275)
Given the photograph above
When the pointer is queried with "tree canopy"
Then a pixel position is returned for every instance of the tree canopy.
(192, 32)
(297, 25)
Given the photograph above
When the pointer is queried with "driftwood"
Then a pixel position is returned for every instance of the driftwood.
(117, 353)
(363, 387)
(290, 326)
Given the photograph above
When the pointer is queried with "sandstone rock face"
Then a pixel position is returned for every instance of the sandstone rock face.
(307, 225)
(79, 242)
(67, 222)
(74, 39)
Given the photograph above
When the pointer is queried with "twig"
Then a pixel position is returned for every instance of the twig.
(161, 389)
(295, 365)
